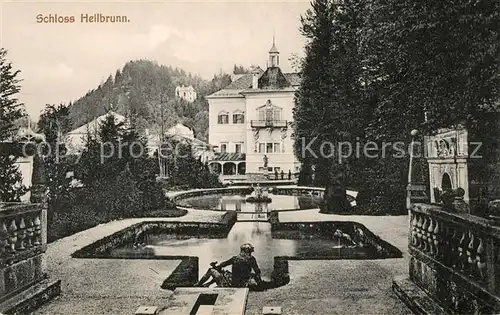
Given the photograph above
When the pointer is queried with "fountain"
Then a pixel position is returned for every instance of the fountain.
(259, 194)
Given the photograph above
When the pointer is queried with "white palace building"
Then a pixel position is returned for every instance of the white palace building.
(250, 123)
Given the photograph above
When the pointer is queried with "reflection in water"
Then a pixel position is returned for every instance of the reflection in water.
(257, 233)
(238, 203)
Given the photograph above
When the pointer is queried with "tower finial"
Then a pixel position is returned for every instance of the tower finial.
(274, 54)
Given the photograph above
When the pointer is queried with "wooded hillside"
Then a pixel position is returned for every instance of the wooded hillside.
(142, 90)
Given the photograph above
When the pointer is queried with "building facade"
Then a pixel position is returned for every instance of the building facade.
(186, 93)
(75, 140)
(201, 150)
(250, 122)
(21, 139)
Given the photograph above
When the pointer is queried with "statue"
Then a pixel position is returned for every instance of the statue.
(259, 194)
(266, 160)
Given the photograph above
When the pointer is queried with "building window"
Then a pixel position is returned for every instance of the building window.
(277, 114)
(277, 147)
(223, 118)
(269, 112)
(269, 148)
(237, 148)
(238, 118)
(223, 148)
(262, 148)
(262, 115)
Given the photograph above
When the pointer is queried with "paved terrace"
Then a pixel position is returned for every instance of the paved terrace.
(117, 286)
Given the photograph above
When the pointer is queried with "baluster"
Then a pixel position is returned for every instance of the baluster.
(37, 230)
(12, 235)
(444, 242)
(29, 232)
(430, 236)
(425, 242)
(419, 231)
(437, 240)
(462, 257)
(481, 261)
(470, 255)
(21, 234)
(3, 238)
(453, 247)
(414, 230)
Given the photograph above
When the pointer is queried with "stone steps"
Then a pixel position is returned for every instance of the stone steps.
(32, 298)
(415, 298)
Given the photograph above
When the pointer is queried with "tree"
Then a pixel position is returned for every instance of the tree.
(296, 62)
(220, 81)
(53, 122)
(330, 105)
(313, 96)
(239, 69)
(11, 188)
(432, 65)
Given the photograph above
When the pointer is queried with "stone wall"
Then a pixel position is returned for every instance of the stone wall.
(135, 232)
(358, 233)
(455, 259)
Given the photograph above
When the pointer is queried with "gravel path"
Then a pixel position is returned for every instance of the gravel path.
(109, 286)
(341, 286)
(117, 286)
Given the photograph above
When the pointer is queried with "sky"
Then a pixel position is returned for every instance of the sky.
(60, 62)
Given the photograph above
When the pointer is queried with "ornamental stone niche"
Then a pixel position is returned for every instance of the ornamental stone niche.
(447, 154)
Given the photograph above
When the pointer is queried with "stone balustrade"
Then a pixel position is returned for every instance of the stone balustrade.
(23, 232)
(24, 284)
(455, 258)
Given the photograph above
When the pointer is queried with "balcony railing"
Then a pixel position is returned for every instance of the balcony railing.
(461, 251)
(23, 232)
(268, 123)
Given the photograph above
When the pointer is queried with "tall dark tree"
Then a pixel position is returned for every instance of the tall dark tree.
(314, 95)
(51, 165)
(432, 65)
(11, 188)
(330, 106)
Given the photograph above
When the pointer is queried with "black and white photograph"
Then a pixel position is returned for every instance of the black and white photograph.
(249, 157)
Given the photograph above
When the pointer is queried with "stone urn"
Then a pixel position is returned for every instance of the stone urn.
(459, 205)
(453, 200)
(494, 210)
(335, 198)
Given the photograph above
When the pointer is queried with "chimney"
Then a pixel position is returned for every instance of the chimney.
(255, 77)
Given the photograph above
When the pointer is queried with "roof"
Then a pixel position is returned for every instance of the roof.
(95, 124)
(27, 134)
(245, 82)
(273, 78)
(229, 156)
(274, 49)
(293, 78)
(180, 129)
